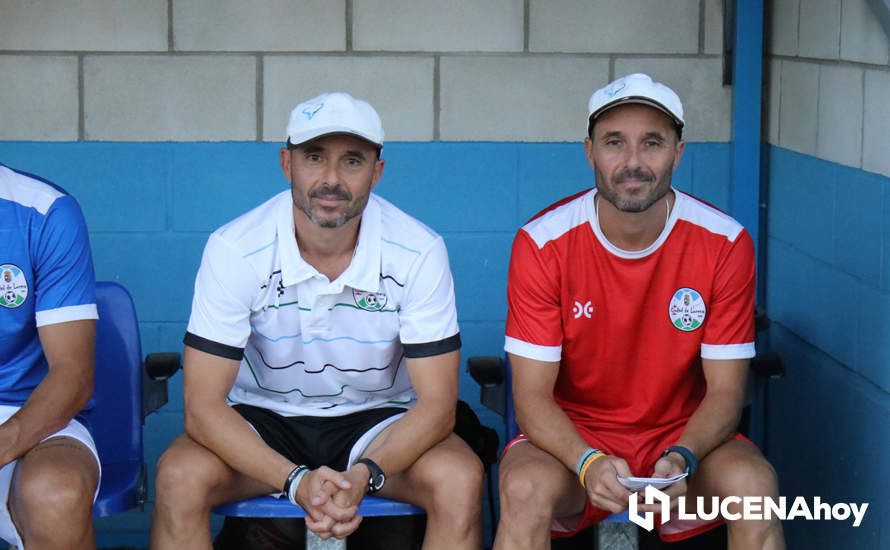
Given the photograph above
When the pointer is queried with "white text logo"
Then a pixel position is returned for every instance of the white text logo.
(748, 508)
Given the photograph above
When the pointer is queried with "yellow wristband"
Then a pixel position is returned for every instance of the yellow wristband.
(584, 467)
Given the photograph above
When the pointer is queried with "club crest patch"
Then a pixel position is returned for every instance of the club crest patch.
(13, 286)
(687, 309)
(369, 301)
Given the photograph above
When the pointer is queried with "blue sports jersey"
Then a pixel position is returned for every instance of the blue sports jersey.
(46, 275)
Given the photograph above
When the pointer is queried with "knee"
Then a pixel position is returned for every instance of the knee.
(755, 477)
(54, 492)
(180, 482)
(522, 495)
(456, 488)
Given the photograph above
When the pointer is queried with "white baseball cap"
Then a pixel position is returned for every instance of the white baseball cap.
(334, 113)
(635, 88)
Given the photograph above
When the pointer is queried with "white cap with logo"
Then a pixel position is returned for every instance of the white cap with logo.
(635, 88)
(334, 113)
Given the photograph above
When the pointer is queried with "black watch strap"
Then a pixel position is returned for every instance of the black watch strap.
(377, 477)
(688, 456)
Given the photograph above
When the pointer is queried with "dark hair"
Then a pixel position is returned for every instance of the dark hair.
(592, 122)
(290, 146)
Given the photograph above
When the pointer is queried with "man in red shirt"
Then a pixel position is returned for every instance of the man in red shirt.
(630, 329)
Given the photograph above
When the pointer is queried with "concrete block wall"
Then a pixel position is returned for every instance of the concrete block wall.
(206, 70)
(828, 62)
(826, 90)
(163, 117)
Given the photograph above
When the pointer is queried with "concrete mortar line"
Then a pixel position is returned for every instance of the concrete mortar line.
(526, 25)
(258, 101)
(170, 42)
(393, 53)
(349, 20)
(437, 98)
(701, 26)
(81, 115)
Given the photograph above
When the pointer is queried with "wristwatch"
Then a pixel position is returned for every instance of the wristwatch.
(688, 456)
(377, 478)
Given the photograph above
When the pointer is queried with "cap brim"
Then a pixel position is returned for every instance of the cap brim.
(332, 132)
(634, 99)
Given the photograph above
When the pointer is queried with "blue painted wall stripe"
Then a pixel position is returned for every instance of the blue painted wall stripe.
(151, 206)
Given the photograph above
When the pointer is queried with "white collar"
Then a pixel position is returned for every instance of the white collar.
(633, 254)
(363, 272)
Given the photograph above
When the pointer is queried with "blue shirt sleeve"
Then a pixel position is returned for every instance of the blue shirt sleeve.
(65, 284)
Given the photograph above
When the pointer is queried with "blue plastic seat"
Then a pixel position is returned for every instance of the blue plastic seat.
(124, 394)
(271, 507)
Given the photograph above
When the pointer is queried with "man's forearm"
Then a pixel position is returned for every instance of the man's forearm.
(54, 402)
(546, 425)
(716, 418)
(397, 448)
(222, 430)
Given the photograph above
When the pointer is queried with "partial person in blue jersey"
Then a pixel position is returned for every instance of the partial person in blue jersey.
(322, 352)
(50, 469)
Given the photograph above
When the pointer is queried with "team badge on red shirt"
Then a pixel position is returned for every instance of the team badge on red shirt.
(687, 309)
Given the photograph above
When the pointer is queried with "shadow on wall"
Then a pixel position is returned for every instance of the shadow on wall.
(828, 436)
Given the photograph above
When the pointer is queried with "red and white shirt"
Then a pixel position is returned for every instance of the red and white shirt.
(630, 328)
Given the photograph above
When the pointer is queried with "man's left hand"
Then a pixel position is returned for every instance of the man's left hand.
(669, 465)
(357, 476)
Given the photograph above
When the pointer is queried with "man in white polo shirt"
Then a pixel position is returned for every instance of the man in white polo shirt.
(322, 352)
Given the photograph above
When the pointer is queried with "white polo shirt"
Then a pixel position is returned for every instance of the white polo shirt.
(313, 347)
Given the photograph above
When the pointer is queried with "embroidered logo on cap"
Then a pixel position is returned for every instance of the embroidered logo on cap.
(312, 109)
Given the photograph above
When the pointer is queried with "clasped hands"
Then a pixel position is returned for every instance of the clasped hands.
(331, 498)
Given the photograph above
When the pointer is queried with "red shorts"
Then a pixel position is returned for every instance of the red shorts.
(640, 451)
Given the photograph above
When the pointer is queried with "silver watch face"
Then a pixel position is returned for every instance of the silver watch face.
(377, 482)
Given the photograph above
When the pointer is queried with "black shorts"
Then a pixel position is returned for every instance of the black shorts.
(312, 440)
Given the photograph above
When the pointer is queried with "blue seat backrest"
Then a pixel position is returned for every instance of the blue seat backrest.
(117, 416)
(511, 429)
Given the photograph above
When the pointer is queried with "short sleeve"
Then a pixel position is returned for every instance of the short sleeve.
(65, 283)
(729, 330)
(220, 320)
(428, 316)
(534, 325)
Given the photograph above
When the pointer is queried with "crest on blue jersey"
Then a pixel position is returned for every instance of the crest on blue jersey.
(687, 309)
(13, 286)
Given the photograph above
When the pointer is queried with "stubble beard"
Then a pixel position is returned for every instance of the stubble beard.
(634, 204)
(354, 207)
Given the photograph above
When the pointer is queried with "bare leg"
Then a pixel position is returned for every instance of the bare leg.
(446, 481)
(191, 480)
(535, 488)
(51, 498)
(737, 468)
